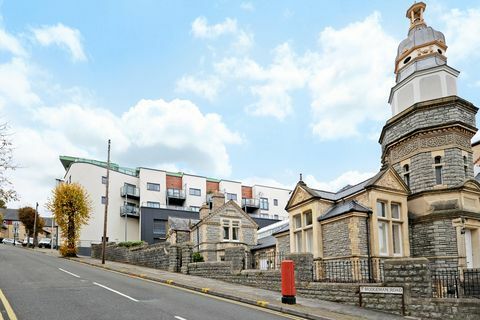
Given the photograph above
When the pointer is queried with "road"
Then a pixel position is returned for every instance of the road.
(39, 286)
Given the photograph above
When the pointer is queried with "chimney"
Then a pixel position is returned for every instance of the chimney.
(204, 211)
(218, 200)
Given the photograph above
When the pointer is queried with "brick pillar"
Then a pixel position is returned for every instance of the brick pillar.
(303, 266)
(174, 256)
(237, 256)
(411, 273)
(187, 251)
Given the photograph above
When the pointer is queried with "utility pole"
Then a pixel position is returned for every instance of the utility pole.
(34, 227)
(104, 238)
(51, 236)
(125, 211)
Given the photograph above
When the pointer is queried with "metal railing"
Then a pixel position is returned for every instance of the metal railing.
(129, 210)
(268, 260)
(176, 193)
(130, 191)
(349, 271)
(455, 283)
(251, 202)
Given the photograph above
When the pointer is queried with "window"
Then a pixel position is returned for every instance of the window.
(152, 204)
(308, 218)
(309, 240)
(194, 208)
(104, 180)
(275, 216)
(153, 186)
(159, 228)
(397, 238)
(382, 238)
(231, 230)
(406, 174)
(298, 221)
(395, 210)
(129, 188)
(195, 192)
(264, 203)
(275, 202)
(104, 200)
(231, 196)
(381, 212)
(465, 167)
(298, 242)
(438, 170)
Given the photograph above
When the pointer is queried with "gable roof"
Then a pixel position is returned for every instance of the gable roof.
(220, 209)
(344, 207)
(266, 242)
(10, 214)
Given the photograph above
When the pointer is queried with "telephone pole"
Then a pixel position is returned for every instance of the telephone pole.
(34, 227)
(104, 238)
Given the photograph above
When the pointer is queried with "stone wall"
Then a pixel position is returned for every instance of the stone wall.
(283, 243)
(336, 239)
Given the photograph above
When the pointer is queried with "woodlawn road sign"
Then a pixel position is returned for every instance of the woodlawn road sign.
(388, 290)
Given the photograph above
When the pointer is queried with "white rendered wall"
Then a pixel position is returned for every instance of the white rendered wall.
(227, 186)
(196, 182)
(271, 193)
(90, 177)
(152, 176)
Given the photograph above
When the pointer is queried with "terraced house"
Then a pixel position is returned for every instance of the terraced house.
(424, 202)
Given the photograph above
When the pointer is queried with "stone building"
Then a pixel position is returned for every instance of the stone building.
(222, 226)
(424, 202)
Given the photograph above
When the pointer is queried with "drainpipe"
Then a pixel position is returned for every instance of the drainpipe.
(369, 259)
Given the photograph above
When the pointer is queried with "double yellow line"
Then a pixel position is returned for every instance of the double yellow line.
(7, 306)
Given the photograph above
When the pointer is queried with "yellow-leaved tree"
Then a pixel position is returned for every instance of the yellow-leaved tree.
(71, 207)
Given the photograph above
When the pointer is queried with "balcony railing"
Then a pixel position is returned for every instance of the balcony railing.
(130, 192)
(251, 202)
(129, 210)
(176, 193)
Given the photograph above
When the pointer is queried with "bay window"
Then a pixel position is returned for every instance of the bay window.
(389, 228)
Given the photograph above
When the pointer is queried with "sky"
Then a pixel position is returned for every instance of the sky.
(252, 91)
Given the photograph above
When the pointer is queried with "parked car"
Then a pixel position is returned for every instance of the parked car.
(26, 240)
(45, 243)
(7, 241)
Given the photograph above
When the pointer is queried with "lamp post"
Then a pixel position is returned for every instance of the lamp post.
(104, 238)
(34, 227)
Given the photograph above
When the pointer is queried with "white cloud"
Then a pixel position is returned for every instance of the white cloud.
(247, 6)
(63, 36)
(347, 178)
(15, 86)
(244, 41)
(201, 28)
(250, 181)
(11, 44)
(207, 87)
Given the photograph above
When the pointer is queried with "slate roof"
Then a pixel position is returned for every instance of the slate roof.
(266, 242)
(181, 224)
(344, 207)
(10, 214)
(48, 221)
(282, 229)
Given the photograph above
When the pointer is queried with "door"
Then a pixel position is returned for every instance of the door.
(468, 248)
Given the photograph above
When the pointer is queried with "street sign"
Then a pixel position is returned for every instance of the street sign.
(16, 224)
(388, 290)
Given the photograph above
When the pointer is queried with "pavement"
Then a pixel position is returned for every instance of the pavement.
(305, 308)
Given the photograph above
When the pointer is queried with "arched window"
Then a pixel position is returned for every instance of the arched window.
(406, 174)
(438, 170)
(465, 166)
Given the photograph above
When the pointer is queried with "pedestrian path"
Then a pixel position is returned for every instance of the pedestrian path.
(307, 308)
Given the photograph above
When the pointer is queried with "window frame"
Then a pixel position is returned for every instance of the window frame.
(150, 184)
(228, 229)
(151, 204)
(231, 196)
(262, 202)
(275, 202)
(104, 180)
(389, 222)
(193, 192)
(438, 170)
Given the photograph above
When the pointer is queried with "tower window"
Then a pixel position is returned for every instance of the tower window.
(406, 174)
(438, 170)
(439, 51)
(465, 166)
(407, 60)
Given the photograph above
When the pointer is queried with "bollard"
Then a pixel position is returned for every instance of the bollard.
(288, 282)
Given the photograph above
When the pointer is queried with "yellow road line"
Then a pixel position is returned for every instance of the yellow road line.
(7, 306)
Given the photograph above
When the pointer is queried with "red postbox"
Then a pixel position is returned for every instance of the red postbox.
(288, 282)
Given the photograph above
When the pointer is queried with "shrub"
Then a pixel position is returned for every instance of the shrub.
(197, 257)
(129, 244)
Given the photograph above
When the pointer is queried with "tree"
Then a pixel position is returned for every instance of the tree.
(27, 217)
(6, 164)
(71, 207)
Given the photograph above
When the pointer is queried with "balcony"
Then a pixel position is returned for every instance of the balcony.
(175, 197)
(130, 211)
(130, 191)
(250, 203)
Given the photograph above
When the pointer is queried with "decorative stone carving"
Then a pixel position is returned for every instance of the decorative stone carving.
(388, 181)
(300, 196)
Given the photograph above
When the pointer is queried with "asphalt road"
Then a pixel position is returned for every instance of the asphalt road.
(39, 286)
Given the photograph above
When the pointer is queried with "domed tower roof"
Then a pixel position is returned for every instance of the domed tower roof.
(423, 48)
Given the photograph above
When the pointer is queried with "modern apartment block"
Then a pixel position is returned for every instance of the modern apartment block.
(141, 199)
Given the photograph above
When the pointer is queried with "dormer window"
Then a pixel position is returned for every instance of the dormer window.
(465, 166)
(438, 170)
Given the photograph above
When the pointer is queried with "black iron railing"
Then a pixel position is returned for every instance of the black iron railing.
(456, 283)
(349, 271)
(268, 260)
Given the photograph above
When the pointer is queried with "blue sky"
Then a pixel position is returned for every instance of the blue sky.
(243, 90)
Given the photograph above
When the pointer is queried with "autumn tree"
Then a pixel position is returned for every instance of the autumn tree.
(6, 164)
(71, 208)
(27, 217)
